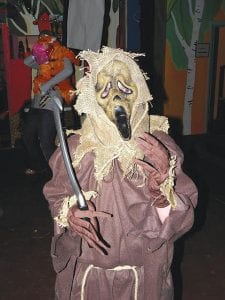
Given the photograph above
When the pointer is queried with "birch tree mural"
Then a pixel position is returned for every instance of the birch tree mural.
(22, 14)
(188, 20)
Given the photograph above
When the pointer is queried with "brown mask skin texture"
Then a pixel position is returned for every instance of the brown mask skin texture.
(116, 94)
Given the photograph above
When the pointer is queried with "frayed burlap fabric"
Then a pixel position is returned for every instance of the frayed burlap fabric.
(98, 133)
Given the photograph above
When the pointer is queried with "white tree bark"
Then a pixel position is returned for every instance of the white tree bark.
(196, 17)
(29, 18)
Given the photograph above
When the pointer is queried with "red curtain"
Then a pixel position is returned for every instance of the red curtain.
(19, 86)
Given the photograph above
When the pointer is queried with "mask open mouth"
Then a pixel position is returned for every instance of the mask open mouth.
(122, 122)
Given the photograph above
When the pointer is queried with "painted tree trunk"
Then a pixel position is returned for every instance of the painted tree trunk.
(188, 98)
(29, 18)
(191, 70)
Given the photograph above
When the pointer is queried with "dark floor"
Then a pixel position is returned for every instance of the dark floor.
(26, 228)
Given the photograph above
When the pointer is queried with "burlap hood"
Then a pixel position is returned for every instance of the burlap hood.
(98, 133)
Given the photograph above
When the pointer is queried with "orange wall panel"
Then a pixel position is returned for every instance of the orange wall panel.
(174, 86)
(175, 83)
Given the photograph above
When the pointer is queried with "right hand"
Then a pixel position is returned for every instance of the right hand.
(44, 100)
(88, 229)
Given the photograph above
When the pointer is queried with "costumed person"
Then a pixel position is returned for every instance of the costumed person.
(139, 199)
(54, 63)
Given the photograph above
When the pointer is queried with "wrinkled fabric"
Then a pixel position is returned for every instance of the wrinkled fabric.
(85, 24)
(135, 233)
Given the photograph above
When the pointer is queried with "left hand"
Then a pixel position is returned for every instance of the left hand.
(156, 164)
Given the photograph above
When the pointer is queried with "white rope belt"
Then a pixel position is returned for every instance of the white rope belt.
(118, 268)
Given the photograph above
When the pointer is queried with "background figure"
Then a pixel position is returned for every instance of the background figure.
(54, 64)
(39, 134)
(3, 99)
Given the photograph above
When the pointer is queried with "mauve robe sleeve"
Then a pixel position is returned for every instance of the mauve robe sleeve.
(59, 186)
(65, 244)
(181, 218)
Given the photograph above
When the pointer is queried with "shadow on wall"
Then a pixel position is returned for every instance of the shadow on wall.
(199, 166)
(192, 167)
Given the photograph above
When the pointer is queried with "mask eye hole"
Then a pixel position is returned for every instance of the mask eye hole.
(105, 93)
(123, 88)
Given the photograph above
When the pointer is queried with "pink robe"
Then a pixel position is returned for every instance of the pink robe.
(135, 233)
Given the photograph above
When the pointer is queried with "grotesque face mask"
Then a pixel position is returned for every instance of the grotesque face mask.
(41, 53)
(43, 48)
(116, 93)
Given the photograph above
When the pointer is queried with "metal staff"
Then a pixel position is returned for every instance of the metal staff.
(57, 108)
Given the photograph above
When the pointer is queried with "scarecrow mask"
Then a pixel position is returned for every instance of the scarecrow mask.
(116, 93)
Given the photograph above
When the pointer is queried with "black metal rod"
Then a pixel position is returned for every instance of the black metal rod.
(57, 108)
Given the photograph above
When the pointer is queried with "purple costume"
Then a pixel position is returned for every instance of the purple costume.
(135, 233)
(114, 98)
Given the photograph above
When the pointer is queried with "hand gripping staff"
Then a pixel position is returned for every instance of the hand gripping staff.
(57, 108)
(91, 236)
